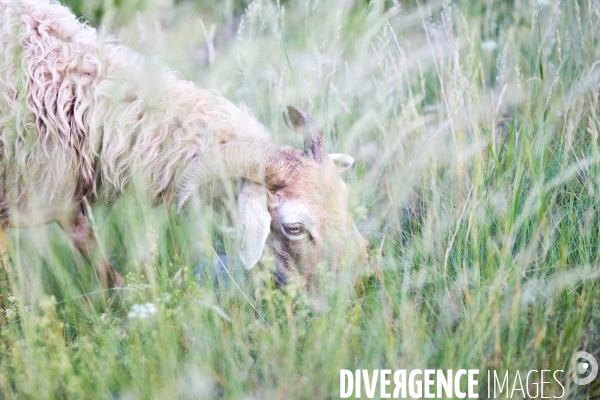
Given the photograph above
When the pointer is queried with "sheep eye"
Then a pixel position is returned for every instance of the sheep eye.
(293, 229)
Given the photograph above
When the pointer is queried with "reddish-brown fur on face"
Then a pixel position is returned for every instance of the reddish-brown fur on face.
(318, 198)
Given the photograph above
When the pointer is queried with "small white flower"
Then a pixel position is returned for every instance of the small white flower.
(10, 313)
(489, 45)
(142, 311)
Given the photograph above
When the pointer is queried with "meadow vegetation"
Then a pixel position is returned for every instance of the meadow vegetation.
(474, 125)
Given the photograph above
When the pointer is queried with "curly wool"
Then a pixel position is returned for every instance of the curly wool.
(81, 116)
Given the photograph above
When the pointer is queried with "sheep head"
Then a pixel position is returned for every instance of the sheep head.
(293, 201)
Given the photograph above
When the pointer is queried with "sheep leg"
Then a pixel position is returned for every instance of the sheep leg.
(82, 236)
(4, 282)
(3, 253)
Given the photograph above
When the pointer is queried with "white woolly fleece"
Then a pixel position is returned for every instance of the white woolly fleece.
(81, 115)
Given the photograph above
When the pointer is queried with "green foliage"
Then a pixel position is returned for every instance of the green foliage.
(475, 131)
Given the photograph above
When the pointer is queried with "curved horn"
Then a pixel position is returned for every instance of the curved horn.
(300, 121)
(262, 163)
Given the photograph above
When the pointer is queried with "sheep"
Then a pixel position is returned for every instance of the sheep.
(82, 118)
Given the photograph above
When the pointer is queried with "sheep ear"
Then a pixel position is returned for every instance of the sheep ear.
(342, 161)
(255, 222)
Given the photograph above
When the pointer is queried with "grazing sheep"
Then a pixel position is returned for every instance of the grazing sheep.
(81, 118)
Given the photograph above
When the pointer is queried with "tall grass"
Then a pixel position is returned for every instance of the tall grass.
(475, 130)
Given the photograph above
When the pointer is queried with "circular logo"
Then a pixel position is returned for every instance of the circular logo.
(584, 364)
